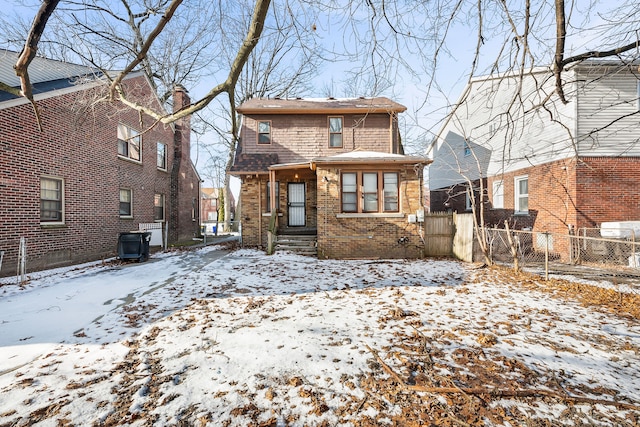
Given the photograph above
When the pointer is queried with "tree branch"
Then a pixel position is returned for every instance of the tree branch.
(144, 49)
(29, 52)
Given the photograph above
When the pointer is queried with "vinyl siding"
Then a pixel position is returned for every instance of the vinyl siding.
(506, 132)
(608, 104)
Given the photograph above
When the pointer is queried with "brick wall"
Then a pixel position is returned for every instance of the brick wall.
(368, 236)
(607, 189)
(78, 143)
(251, 207)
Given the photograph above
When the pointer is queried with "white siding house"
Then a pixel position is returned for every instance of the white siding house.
(511, 133)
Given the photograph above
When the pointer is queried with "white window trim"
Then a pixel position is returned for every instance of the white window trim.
(497, 188)
(336, 133)
(62, 197)
(130, 202)
(516, 195)
(128, 157)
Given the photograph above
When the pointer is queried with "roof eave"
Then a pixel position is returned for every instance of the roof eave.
(302, 111)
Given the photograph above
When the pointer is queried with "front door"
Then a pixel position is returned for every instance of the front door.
(296, 204)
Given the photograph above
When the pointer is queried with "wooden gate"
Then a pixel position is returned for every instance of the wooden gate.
(439, 231)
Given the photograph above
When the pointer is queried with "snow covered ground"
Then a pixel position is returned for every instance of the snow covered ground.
(208, 337)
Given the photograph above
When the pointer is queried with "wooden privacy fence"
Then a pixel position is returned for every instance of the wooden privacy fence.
(448, 234)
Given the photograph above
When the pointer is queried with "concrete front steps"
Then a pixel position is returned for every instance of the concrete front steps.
(302, 244)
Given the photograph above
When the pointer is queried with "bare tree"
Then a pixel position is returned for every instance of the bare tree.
(282, 65)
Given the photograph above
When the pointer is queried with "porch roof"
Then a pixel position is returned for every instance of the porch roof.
(249, 164)
(354, 157)
(371, 157)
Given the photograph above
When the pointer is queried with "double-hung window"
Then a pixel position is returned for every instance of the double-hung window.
(51, 200)
(264, 132)
(126, 203)
(349, 192)
(390, 191)
(335, 132)
(129, 143)
(162, 156)
(158, 207)
(521, 193)
(369, 192)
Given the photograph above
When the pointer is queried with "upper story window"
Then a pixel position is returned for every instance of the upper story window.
(162, 156)
(335, 132)
(467, 148)
(264, 132)
(126, 203)
(51, 200)
(521, 193)
(129, 143)
(369, 192)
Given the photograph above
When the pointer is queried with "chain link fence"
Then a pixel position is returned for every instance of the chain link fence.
(585, 254)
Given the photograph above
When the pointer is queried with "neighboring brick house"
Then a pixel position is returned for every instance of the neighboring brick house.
(94, 170)
(331, 168)
(212, 206)
(573, 165)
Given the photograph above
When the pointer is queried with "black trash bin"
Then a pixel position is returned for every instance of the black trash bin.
(134, 245)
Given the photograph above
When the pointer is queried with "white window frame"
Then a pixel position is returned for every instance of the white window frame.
(467, 148)
(128, 138)
(130, 214)
(517, 196)
(161, 165)
(336, 133)
(60, 200)
(497, 194)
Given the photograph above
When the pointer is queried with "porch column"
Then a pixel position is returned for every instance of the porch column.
(272, 190)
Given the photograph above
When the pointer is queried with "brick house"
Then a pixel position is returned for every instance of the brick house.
(94, 170)
(571, 165)
(333, 169)
(212, 208)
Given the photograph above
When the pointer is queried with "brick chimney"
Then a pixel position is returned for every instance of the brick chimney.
(182, 140)
(180, 199)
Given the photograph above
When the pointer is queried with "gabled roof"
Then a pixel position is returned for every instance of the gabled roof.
(45, 74)
(320, 106)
